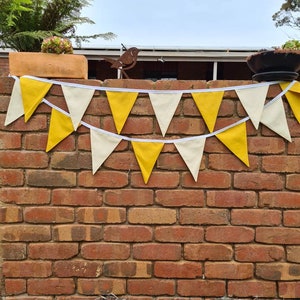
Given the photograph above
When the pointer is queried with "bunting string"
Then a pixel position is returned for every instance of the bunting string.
(29, 91)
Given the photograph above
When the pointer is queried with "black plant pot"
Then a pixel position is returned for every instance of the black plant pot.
(282, 65)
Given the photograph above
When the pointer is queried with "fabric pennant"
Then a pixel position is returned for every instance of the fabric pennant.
(274, 117)
(146, 154)
(164, 106)
(121, 104)
(78, 99)
(235, 139)
(253, 100)
(192, 151)
(293, 98)
(208, 104)
(102, 145)
(60, 127)
(15, 108)
(33, 92)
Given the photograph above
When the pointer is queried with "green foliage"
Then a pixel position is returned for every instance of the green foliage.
(292, 45)
(288, 15)
(25, 23)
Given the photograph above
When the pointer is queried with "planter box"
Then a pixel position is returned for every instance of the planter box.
(48, 65)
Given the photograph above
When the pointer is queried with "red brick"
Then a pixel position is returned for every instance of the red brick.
(204, 216)
(44, 215)
(77, 233)
(21, 196)
(121, 161)
(139, 125)
(71, 160)
(153, 287)
(13, 251)
(279, 199)
(153, 251)
(278, 235)
(255, 217)
(127, 233)
(101, 286)
(286, 164)
(179, 234)
(289, 290)
(105, 251)
(198, 288)
(278, 271)
(228, 270)
(36, 123)
(151, 216)
(291, 218)
(263, 289)
(51, 286)
(294, 146)
(103, 179)
(258, 181)
(11, 178)
(77, 197)
(127, 269)
(26, 269)
(229, 234)
(10, 140)
(293, 253)
(48, 178)
(23, 159)
(157, 180)
(128, 197)
(52, 250)
(231, 198)
(203, 252)
(178, 198)
(177, 269)
(293, 182)
(262, 145)
(10, 214)
(101, 215)
(15, 286)
(207, 179)
(77, 268)
(169, 161)
(35, 141)
(259, 253)
(25, 233)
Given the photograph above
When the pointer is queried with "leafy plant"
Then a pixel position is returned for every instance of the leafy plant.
(25, 23)
(56, 44)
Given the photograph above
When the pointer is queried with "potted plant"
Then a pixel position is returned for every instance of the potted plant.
(281, 63)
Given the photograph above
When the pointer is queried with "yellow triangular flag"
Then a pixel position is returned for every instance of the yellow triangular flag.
(293, 97)
(146, 154)
(120, 104)
(33, 92)
(60, 127)
(208, 104)
(235, 139)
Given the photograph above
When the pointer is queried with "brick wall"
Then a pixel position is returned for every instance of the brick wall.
(4, 69)
(69, 235)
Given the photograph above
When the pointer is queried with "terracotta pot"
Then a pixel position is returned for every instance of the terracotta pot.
(48, 65)
(275, 65)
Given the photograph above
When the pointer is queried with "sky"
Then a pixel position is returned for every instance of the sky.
(186, 23)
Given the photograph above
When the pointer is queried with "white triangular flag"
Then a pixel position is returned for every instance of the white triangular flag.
(78, 99)
(191, 151)
(15, 108)
(274, 117)
(164, 106)
(102, 145)
(253, 100)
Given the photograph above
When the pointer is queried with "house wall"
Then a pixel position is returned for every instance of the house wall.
(69, 235)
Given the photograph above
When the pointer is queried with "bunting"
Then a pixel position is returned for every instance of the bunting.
(208, 104)
(253, 101)
(60, 127)
(235, 139)
(15, 108)
(146, 154)
(164, 106)
(120, 105)
(33, 92)
(28, 92)
(78, 99)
